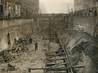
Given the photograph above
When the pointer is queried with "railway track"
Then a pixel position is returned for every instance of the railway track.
(65, 61)
(60, 60)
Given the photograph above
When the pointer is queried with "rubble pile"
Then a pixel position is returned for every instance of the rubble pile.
(18, 48)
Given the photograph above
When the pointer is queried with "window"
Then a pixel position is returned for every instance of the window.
(1, 10)
(1, 1)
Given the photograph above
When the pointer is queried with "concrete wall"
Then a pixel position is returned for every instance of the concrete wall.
(84, 23)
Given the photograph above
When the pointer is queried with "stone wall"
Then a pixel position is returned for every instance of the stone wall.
(15, 28)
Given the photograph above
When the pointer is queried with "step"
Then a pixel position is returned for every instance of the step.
(60, 50)
(56, 69)
(54, 55)
(55, 59)
(57, 64)
(56, 72)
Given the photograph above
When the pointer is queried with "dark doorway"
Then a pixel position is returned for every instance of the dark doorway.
(1, 10)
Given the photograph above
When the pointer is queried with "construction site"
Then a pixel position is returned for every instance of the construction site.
(34, 42)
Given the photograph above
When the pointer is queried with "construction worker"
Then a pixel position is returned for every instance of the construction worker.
(29, 70)
(36, 46)
(8, 37)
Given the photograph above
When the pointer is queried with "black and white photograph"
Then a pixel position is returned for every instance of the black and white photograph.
(48, 36)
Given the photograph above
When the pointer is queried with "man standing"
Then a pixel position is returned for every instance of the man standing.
(36, 46)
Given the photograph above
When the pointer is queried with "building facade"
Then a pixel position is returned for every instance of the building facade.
(29, 8)
(19, 8)
(83, 4)
(9, 8)
(85, 20)
(85, 16)
(1, 8)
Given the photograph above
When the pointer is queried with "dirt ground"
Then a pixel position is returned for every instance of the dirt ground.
(30, 59)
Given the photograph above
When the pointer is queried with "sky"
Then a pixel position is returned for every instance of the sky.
(56, 6)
